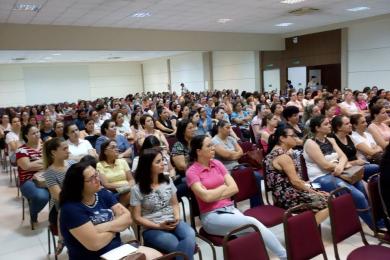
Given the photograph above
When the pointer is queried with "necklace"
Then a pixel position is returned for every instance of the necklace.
(94, 204)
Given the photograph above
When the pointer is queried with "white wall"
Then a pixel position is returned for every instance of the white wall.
(187, 69)
(234, 70)
(155, 74)
(369, 54)
(28, 84)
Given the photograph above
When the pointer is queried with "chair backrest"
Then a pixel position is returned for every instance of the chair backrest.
(377, 210)
(238, 132)
(173, 256)
(304, 174)
(385, 209)
(343, 216)
(246, 183)
(171, 141)
(249, 246)
(253, 138)
(194, 208)
(303, 239)
(247, 146)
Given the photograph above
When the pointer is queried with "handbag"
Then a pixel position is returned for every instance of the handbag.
(254, 158)
(376, 158)
(353, 174)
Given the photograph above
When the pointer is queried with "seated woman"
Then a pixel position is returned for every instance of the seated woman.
(181, 154)
(288, 189)
(378, 129)
(213, 187)
(325, 162)
(147, 124)
(12, 138)
(156, 208)
(363, 141)
(29, 161)
(342, 128)
(55, 159)
(277, 111)
(150, 142)
(122, 128)
(135, 125)
(59, 130)
(47, 130)
(163, 123)
(227, 150)
(241, 119)
(218, 114)
(194, 118)
(108, 131)
(261, 111)
(268, 126)
(90, 217)
(89, 129)
(291, 115)
(205, 123)
(78, 147)
(115, 172)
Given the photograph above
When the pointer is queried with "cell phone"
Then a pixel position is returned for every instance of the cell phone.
(316, 185)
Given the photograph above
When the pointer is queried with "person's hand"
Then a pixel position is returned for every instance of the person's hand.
(360, 162)
(167, 225)
(338, 170)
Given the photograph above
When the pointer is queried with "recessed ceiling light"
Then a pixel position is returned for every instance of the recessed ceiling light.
(291, 1)
(26, 7)
(48, 58)
(224, 20)
(114, 58)
(283, 24)
(141, 14)
(358, 9)
(56, 54)
(19, 59)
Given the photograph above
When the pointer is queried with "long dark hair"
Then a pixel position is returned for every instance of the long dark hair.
(316, 121)
(73, 186)
(150, 142)
(181, 130)
(25, 131)
(143, 174)
(103, 147)
(196, 143)
(274, 139)
(48, 147)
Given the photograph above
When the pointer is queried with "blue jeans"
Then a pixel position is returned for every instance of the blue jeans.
(222, 220)
(37, 198)
(257, 200)
(182, 239)
(329, 183)
(369, 170)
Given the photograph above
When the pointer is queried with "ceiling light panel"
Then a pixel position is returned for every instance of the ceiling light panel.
(358, 9)
(291, 1)
(224, 20)
(283, 24)
(141, 14)
(27, 7)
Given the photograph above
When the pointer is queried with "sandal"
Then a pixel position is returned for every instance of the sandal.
(60, 246)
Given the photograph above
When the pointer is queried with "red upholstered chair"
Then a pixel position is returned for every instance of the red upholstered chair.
(377, 210)
(52, 232)
(345, 223)
(171, 141)
(173, 256)
(248, 247)
(302, 236)
(211, 240)
(238, 132)
(269, 215)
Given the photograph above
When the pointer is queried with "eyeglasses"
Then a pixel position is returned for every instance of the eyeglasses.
(114, 147)
(94, 177)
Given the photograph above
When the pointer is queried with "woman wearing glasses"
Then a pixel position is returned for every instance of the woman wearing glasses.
(288, 189)
(156, 208)
(90, 217)
(115, 172)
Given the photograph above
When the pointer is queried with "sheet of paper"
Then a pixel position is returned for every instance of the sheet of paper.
(119, 252)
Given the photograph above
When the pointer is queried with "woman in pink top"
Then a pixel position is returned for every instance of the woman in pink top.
(213, 187)
(378, 129)
(269, 124)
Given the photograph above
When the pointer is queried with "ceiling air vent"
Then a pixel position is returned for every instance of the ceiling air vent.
(304, 11)
(114, 58)
(19, 59)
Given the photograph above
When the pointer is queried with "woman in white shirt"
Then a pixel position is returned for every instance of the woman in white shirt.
(78, 147)
(364, 142)
(348, 107)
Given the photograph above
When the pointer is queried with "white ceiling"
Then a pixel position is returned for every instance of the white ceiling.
(8, 57)
(252, 16)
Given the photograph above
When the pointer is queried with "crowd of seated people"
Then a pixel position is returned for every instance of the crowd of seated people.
(152, 149)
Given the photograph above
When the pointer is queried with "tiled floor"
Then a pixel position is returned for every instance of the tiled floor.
(19, 242)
